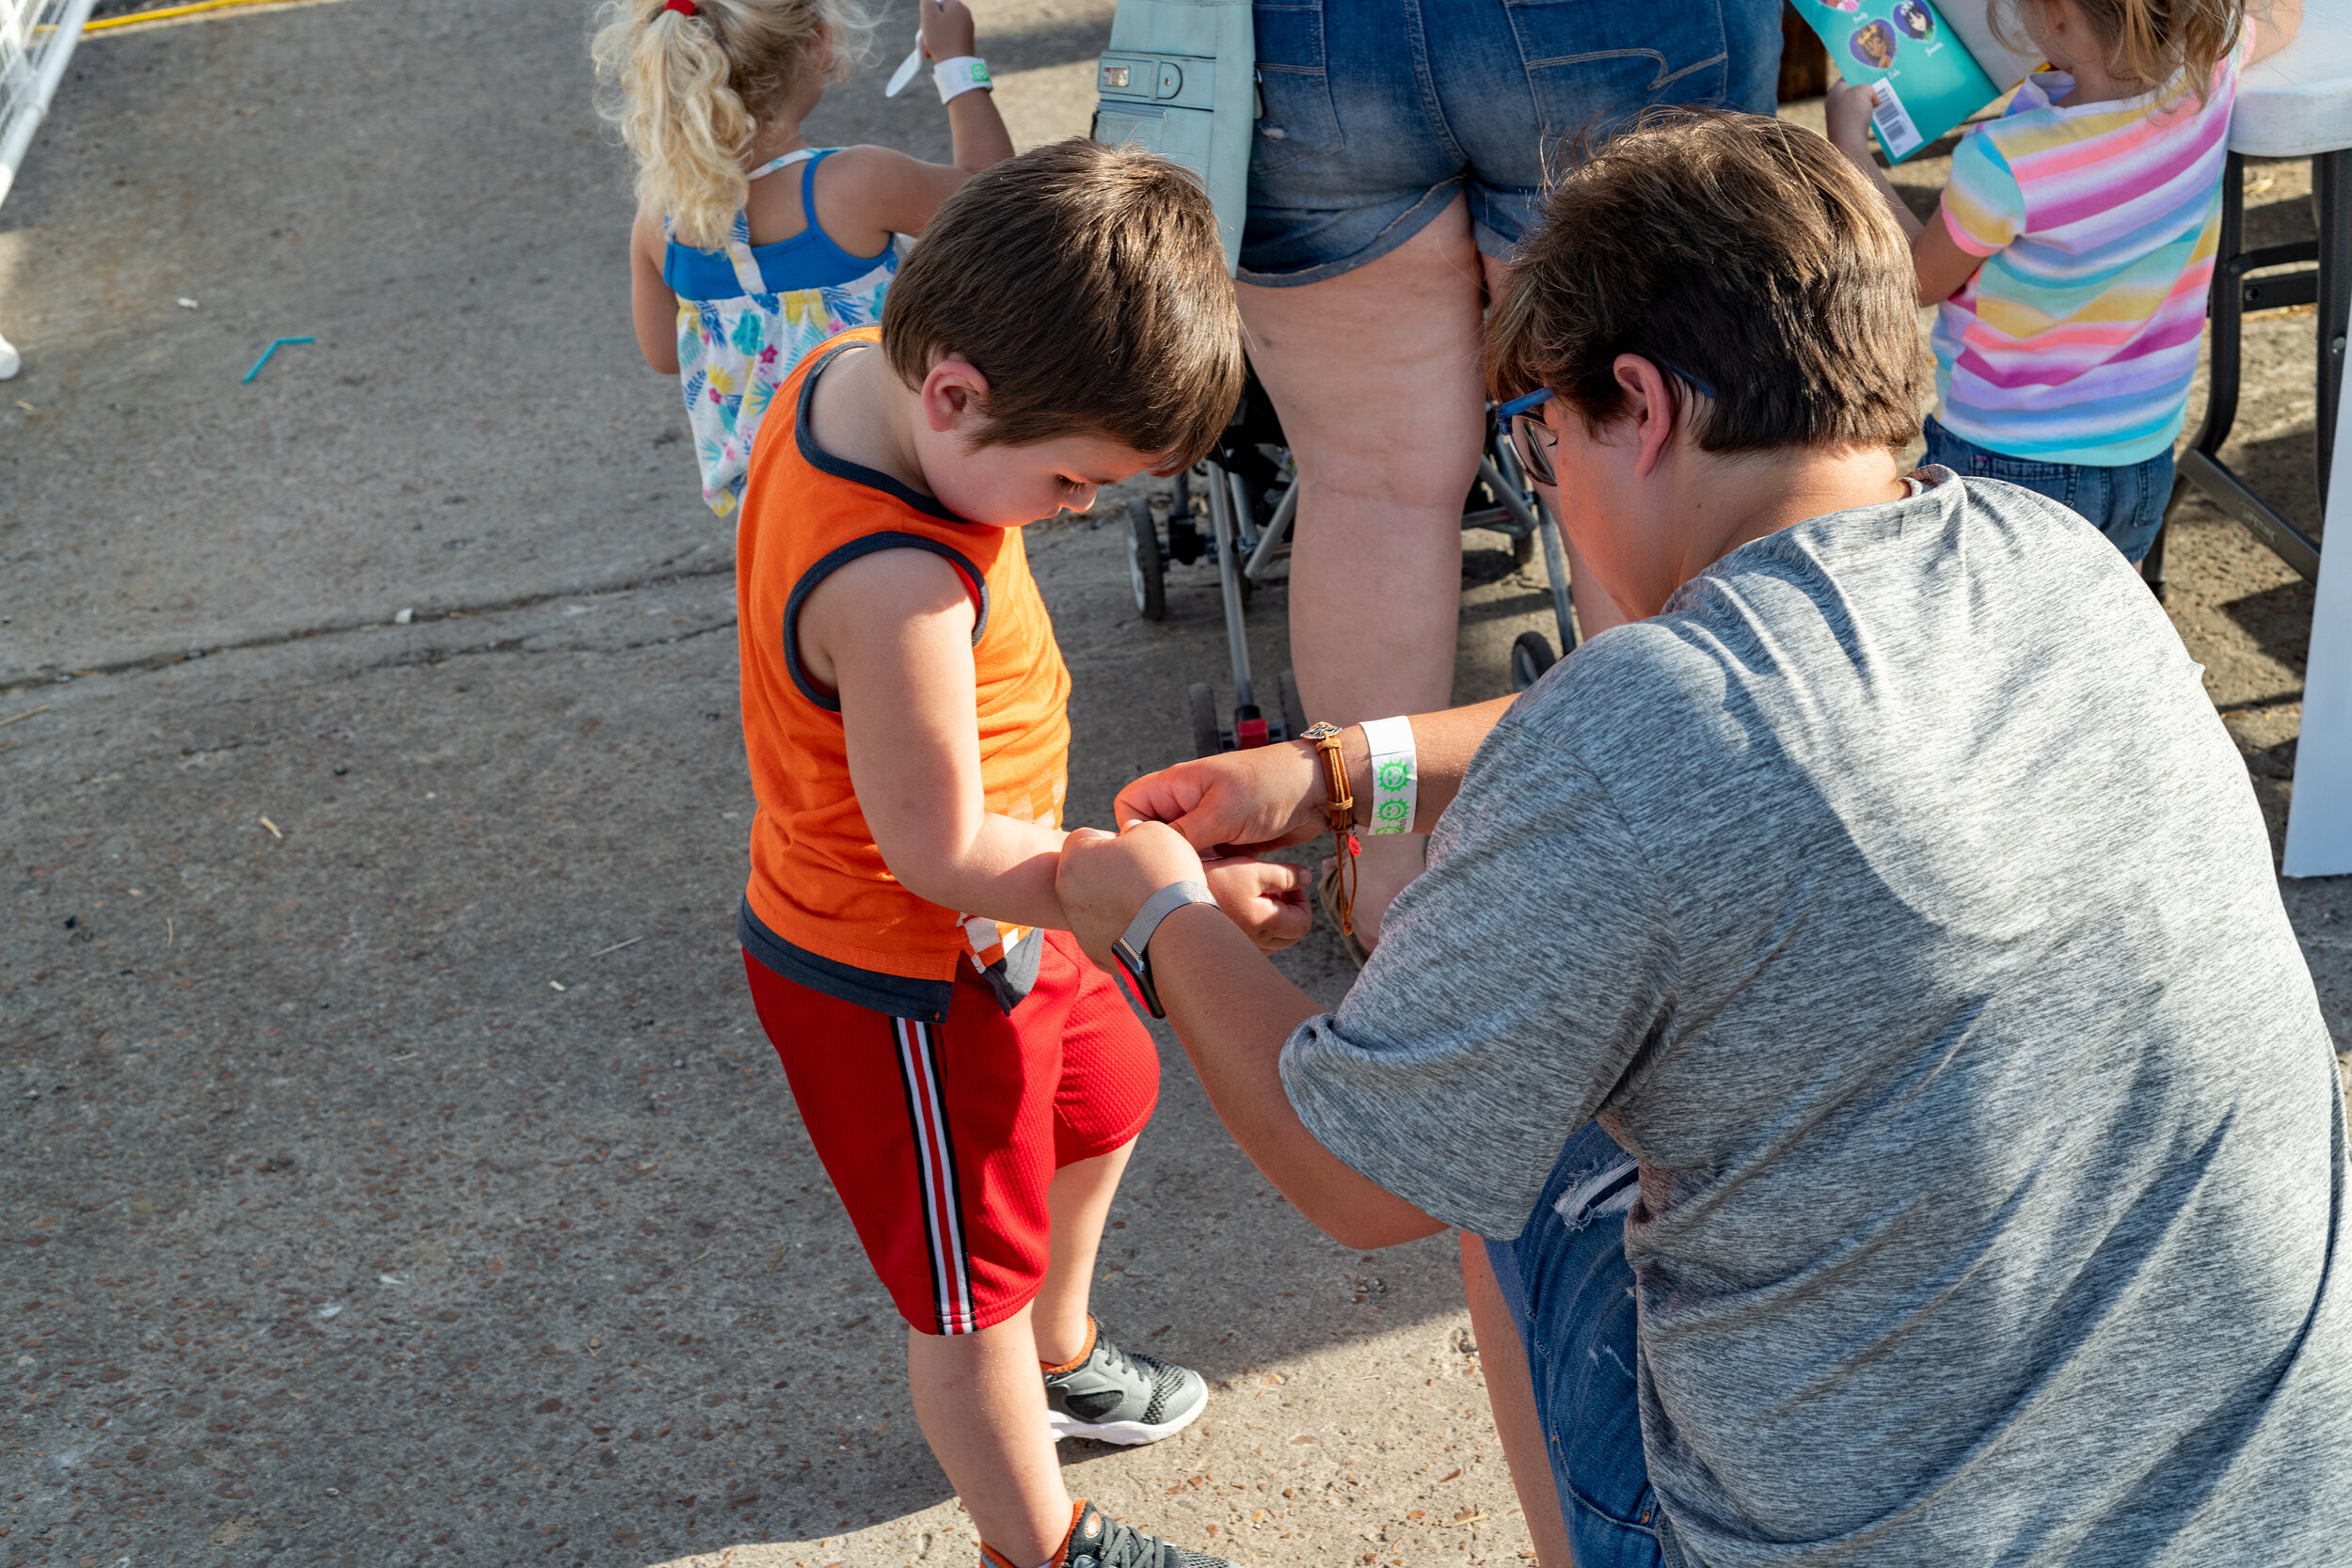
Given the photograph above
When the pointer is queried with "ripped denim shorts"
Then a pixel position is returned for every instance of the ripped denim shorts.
(1571, 1293)
(1377, 113)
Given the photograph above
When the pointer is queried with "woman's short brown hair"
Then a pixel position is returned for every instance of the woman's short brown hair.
(1087, 283)
(1745, 257)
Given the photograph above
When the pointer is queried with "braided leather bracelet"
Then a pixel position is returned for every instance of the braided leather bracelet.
(1340, 805)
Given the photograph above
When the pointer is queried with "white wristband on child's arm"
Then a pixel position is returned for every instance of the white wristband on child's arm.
(960, 75)
(1395, 776)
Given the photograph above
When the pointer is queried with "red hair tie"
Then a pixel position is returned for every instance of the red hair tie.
(684, 7)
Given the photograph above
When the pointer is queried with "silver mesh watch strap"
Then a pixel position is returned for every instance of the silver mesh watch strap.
(1132, 949)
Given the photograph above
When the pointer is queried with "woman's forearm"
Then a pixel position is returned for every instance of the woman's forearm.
(1275, 795)
(1443, 744)
(1234, 1010)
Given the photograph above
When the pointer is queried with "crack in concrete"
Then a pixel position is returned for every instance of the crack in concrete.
(424, 658)
(148, 663)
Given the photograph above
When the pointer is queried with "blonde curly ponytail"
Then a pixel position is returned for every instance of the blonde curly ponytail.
(688, 92)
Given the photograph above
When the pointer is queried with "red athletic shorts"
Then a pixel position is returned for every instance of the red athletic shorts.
(941, 1139)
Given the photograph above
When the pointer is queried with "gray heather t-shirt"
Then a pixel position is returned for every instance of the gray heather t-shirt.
(1897, 897)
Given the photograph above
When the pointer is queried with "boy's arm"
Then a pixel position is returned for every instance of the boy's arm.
(651, 305)
(891, 633)
(1941, 265)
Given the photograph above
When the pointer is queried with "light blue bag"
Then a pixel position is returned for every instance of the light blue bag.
(1180, 79)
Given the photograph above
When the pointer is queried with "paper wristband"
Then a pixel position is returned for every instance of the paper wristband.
(1395, 774)
(961, 75)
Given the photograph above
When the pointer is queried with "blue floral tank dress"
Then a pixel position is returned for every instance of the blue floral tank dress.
(748, 313)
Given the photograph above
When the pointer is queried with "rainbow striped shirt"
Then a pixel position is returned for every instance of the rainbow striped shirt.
(2076, 340)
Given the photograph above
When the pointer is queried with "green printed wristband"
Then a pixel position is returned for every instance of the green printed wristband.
(1395, 776)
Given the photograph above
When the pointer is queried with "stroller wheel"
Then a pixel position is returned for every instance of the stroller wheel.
(1530, 656)
(1147, 573)
(1208, 740)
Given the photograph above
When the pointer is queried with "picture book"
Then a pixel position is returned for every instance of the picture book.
(1927, 68)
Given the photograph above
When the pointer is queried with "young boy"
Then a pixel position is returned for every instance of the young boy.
(972, 1083)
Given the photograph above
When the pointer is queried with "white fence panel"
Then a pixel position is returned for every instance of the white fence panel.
(37, 38)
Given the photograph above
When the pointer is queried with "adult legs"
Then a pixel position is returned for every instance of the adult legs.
(1377, 376)
(979, 1397)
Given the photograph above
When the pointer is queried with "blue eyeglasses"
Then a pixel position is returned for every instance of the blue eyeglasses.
(1519, 424)
(1532, 445)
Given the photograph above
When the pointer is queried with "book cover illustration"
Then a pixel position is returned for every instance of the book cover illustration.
(1923, 78)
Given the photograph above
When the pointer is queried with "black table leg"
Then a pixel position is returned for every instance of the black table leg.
(2234, 292)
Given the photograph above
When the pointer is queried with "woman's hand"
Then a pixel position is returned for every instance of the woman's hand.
(1261, 798)
(1103, 881)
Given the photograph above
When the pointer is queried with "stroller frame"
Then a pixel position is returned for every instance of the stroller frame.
(1250, 486)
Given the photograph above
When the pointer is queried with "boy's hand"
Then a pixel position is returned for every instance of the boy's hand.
(1267, 899)
(1849, 109)
(947, 29)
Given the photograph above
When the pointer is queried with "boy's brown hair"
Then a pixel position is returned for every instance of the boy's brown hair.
(1740, 254)
(1087, 283)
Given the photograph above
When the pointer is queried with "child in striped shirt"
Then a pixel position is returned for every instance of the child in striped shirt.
(2074, 248)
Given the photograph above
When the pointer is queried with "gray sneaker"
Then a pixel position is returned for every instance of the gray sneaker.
(1098, 1540)
(1115, 1396)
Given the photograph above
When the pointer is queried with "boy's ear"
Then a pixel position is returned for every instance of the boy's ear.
(955, 397)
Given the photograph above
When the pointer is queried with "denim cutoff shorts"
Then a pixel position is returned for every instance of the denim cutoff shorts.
(1376, 112)
(2126, 503)
(1571, 1293)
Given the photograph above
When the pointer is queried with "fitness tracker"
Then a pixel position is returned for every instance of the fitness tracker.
(1133, 950)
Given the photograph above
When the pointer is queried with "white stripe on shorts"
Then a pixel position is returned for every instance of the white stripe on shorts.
(951, 1273)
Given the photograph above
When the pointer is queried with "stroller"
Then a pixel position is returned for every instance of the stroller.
(1247, 494)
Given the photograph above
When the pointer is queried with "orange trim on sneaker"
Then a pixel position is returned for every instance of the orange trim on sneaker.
(1084, 1350)
(995, 1559)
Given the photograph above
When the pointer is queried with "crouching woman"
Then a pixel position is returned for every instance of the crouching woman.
(1849, 1009)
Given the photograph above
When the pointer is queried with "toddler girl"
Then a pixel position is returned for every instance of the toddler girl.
(736, 276)
(2075, 246)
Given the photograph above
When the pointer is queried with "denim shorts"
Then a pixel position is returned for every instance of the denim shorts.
(1571, 1293)
(1376, 112)
(2126, 504)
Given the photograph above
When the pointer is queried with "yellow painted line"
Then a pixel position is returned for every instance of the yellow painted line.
(175, 14)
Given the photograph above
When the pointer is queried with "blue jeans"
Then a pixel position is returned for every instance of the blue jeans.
(1377, 113)
(1571, 1293)
(2126, 504)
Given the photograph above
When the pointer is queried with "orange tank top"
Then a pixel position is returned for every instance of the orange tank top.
(821, 908)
